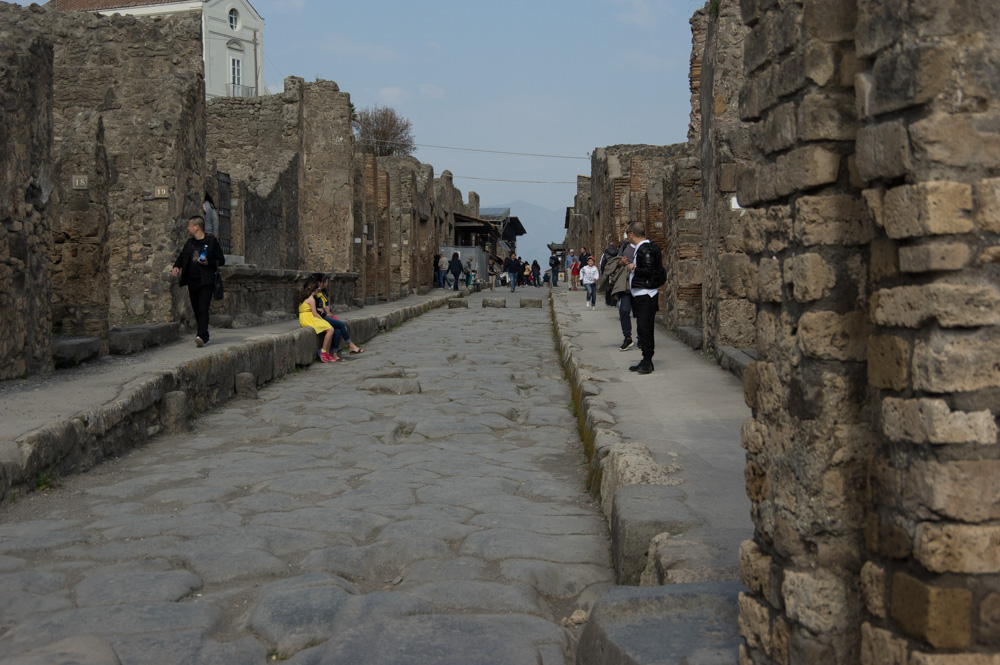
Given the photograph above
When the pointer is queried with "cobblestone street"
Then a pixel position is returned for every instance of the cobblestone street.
(421, 502)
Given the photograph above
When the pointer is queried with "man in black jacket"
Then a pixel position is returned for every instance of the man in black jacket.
(554, 264)
(196, 264)
(646, 276)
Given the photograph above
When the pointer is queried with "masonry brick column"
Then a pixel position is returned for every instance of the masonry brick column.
(928, 152)
(806, 232)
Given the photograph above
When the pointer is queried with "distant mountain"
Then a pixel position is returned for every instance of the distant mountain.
(542, 225)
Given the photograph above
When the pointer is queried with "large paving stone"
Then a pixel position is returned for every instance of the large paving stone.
(639, 513)
(479, 597)
(297, 612)
(382, 561)
(510, 544)
(112, 586)
(190, 646)
(30, 592)
(556, 580)
(444, 640)
(693, 624)
(81, 650)
(114, 620)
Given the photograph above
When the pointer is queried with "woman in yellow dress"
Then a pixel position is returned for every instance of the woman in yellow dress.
(310, 318)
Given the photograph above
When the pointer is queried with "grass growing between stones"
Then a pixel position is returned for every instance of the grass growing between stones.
(46, 481)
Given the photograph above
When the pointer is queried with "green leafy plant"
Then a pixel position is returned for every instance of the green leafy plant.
(713, 8)
(46, 481)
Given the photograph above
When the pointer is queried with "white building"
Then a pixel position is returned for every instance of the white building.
(232, 38)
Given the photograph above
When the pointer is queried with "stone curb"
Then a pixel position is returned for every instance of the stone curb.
(142, 410)
(613, 463)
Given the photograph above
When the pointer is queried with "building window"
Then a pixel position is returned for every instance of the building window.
(234, 19)
(236, 72)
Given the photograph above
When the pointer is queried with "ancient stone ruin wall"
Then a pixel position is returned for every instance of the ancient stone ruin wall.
(873, 239)
(806, 232)
(928, 153)
(25, 179)
(681, 299)
(327, 196)
(128, 113)
(580, 227)
(259, 143)
(728, 317)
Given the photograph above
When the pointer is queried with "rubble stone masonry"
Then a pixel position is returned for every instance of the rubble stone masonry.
(291, 156)
(873, 242)
(928, 158)
(25, 182)
(128, 115)
(725, 149)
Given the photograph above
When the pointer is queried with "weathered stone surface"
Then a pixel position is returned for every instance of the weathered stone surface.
(951, 305)
(458, 303)
(109, 587)
(246, 385)
(938, 615)
(818, 600)
(630, 464)
(79, 650)
(531, 302)
(694, 623)
(958, 548)
(72, 352)
(495, 302)
(638, 513)
(931, 421)
(451, 640)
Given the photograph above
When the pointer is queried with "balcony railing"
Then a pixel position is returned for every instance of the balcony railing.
(234, 90)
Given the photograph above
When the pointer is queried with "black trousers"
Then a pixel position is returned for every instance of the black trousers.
(201, 303)
(645, 309)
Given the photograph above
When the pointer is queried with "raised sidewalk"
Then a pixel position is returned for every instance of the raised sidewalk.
(665, 459)
(67, 420)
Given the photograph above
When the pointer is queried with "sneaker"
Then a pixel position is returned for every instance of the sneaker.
(206, 342)
(626, 345)
(199, 342)
(644, 367)
(319, 354)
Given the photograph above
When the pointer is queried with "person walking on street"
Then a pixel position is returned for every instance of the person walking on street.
(443, 271)
(536, 274)
(574, 274)
(647, 275)
(197, 263)
(455, 267)
(590, 275)
(510, 267)
(627, 253)
(493, 272)
(554, 265)
(568, 264)
(584, 255)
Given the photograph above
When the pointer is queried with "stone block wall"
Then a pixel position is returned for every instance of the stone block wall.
(25, 182)
(681, 297)
(728, 317)
(128, 113)
(928, 155)
(806, 232)
(873, 244)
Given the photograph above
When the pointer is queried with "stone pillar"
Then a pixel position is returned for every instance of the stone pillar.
(326, 182)
(682, 297)
(25, 178)
(929, 152)
(725, 149)
(806, 232)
